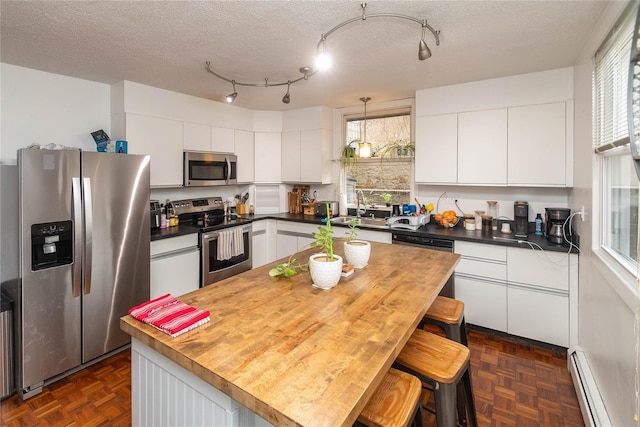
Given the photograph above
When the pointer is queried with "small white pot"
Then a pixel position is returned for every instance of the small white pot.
(357, 252)
(325, 274)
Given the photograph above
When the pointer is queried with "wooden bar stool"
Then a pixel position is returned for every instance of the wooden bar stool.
(395, 403)
(448, 315)
(444, 365)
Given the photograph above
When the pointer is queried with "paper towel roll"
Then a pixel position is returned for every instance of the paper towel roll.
(343, 204)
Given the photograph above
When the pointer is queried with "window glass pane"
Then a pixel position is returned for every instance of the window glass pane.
(388, 171)
(621, 205)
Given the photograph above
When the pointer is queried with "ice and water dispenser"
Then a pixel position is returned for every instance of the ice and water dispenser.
(51, 244)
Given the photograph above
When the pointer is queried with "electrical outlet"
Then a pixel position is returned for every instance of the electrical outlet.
(582, 214)
(451, 198)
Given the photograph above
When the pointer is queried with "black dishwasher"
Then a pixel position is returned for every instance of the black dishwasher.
(437, 244)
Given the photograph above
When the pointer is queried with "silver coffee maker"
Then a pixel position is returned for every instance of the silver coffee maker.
(557, 226)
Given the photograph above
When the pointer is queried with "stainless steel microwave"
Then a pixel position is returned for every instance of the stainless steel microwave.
(202, 169)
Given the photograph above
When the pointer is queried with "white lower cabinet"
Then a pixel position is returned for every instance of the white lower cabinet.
(286, 244)
(517, 290)
(292, 237)
(538, 314)
(258, 248)
(175, 266)
(539, 294)
(485, 301)
(481, 283)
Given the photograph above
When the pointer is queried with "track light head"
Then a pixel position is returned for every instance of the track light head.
(232, 96)
(423, 51)
(287, 98)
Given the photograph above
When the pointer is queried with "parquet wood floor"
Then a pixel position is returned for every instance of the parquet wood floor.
(516, 383)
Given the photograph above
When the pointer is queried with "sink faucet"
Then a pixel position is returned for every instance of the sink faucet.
(360, 195)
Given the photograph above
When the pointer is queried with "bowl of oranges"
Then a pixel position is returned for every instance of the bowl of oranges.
(447, 219)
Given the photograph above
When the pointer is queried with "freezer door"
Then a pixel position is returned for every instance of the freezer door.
(49, 321)
(117, 246)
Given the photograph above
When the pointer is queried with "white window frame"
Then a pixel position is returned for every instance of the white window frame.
(616, 264)
(378, 110)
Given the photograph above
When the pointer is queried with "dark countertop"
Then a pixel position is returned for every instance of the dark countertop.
(431, 230)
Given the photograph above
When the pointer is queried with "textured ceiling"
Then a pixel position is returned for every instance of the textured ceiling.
(166, 43)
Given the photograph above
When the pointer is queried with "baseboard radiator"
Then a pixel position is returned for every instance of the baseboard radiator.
(594, 412)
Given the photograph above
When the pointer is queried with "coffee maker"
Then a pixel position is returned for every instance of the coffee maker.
(555, 227)
(521, 217)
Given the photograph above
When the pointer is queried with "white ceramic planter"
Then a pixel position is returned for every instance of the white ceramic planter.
(357, 253)
(325, 275)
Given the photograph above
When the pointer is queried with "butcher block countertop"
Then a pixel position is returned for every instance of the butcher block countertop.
(298, 355)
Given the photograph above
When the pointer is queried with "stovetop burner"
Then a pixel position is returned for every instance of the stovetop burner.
(203, 213)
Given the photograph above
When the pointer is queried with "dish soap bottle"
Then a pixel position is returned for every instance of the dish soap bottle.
(539, 225)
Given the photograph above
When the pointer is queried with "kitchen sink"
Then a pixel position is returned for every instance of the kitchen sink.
(363, 222)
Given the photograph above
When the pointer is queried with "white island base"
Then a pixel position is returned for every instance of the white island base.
(165, 394)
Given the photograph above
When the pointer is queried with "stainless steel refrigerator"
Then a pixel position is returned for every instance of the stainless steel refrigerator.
(84, 258)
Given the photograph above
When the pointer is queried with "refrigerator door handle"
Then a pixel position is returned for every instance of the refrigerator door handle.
(88, 226)
(77, 236)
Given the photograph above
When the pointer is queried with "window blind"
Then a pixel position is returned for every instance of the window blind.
(611, 77)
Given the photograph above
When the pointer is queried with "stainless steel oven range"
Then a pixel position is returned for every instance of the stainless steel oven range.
(225, 244)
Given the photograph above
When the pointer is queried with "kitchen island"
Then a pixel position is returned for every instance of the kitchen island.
(283, 349)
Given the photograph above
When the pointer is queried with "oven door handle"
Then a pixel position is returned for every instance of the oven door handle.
(214, 234)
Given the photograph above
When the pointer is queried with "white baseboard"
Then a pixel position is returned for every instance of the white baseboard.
(593, 410)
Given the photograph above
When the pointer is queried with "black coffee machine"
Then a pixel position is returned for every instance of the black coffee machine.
(555, 227)
(521, 218)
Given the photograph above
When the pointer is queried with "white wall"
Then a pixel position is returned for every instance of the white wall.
(607, 298)
(42, 108)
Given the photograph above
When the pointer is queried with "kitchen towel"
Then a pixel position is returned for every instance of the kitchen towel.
(230, 243)
(225, 245)
(170, 315)
(238, 241)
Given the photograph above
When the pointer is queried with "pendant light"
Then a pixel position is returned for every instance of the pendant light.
(364, 150)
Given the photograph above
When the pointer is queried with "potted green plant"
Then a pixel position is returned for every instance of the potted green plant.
(289, 268)
(356, 252)
(348, 157)
(398, 148)
(387, 199)
(325, 267)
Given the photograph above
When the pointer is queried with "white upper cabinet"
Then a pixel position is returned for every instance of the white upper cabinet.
(510, 131)
(482, 135)
(437, 149)
(245, 152)
(162, 139)
(197, 137)
(201, 137)
(222, 140)
(306, 156)
(537, 138)
(267, 157)
(291, 164)
(315, 156)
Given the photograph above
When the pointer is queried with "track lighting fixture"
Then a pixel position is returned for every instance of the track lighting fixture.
(323, 60)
